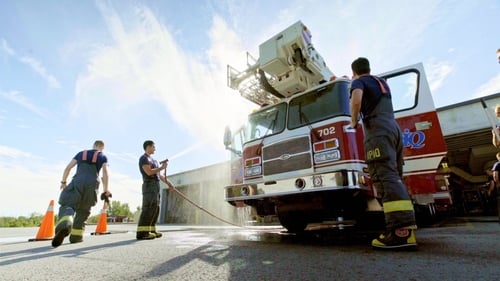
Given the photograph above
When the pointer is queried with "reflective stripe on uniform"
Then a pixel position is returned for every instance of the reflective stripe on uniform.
(65, 218)
(398, 206)
(77, 232)
(94, 157)
(143, 228)
(382, 88)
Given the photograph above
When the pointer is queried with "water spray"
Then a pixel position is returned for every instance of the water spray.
(187, 150)
(183, 196)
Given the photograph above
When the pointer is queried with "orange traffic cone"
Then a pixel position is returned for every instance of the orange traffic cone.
(47, 229)
(102, 225)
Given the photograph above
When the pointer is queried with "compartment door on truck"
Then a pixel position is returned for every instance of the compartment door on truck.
(424, 145)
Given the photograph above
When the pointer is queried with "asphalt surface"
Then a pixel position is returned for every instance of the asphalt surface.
(458, 249)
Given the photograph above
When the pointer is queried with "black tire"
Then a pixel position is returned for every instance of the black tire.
(425, 214)
(294, 222)
(374, 220)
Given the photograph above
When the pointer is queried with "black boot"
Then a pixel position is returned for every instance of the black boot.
(142, 235)
(63, 229)
(395, 239)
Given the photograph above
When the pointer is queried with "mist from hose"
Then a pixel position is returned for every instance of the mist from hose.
(185, 151)
(197, 199)
(145, 64)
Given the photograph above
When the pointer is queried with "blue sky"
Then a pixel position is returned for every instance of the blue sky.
(72, 72)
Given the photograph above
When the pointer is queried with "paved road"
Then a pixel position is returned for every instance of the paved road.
(457, 250)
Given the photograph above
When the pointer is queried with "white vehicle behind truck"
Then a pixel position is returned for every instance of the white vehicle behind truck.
(297, 159)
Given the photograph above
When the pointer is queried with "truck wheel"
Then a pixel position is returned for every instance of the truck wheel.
(425, 214)
(374, 220)
(294, 222)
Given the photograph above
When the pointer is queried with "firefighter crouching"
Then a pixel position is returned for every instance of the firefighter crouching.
(80, 195)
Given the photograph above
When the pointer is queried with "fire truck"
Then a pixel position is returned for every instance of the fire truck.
(296, 158)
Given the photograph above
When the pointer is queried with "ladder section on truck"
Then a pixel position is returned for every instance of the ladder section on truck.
(248, 83)
(288, 64)
(290, 58)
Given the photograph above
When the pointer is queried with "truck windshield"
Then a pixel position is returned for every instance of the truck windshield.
(324, 103)
(266, 122)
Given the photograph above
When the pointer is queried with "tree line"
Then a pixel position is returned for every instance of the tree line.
(115, 209)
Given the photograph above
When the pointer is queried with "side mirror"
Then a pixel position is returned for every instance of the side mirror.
(228, 138)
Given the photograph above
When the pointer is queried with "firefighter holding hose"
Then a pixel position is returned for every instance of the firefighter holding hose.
(150, 170)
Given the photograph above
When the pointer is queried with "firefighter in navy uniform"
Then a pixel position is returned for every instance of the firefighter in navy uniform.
(495, 192)
(80, 195)
(150, 170)
(371, 97)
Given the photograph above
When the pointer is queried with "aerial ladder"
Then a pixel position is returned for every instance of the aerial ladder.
(288, 64)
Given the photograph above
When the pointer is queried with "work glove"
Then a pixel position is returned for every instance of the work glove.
(105, 196)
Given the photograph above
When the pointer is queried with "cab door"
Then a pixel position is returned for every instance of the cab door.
(424, 145)
(235, 145)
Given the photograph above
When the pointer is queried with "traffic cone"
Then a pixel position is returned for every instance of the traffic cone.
(102, 225)
(47, 229)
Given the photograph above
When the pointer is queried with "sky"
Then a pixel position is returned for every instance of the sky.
(72, 72)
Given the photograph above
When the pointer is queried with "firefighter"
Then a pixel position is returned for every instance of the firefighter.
(496, 178)
(371, 97)
(80, 195)
(495, 141)
(150, 170)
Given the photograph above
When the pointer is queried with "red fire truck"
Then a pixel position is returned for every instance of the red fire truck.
(297, 159)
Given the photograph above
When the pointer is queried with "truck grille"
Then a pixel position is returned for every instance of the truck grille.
(287, 156)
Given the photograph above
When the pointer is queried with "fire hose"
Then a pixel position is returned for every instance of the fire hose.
(183, 196)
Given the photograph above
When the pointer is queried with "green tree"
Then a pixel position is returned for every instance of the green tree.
(93, 219)
(21, 221)
(119, 209)
(116, 208)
